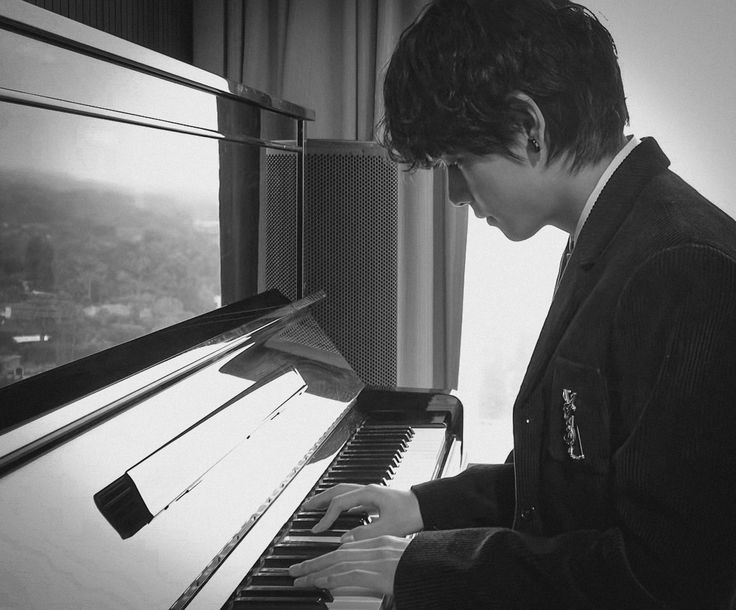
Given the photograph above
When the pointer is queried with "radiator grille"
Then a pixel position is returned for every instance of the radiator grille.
(350, 252)
(279, 226)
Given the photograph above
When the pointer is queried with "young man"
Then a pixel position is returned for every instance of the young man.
(621, 489)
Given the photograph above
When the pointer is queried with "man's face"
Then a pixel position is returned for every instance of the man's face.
(509, 194)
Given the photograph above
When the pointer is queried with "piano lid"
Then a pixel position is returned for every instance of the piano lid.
(57, 549)
(63, 402)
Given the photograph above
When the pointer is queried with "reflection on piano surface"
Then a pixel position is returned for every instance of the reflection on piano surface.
(221, 518)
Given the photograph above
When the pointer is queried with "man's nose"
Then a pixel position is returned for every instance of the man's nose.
(458, 192)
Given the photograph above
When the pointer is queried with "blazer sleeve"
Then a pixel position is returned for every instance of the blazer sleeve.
(482, 495)
(672, 538)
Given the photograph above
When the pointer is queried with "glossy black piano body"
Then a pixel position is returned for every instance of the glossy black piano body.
(223, 524)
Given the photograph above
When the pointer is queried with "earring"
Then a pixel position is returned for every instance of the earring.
(534, 144)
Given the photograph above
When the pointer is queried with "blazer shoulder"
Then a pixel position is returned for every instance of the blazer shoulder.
(694, 274)
(679, 214)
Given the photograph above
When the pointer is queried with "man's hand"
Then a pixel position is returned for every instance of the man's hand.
(368, 564)
(398, 510)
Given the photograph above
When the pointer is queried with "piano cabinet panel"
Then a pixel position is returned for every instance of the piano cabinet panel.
(60, 552)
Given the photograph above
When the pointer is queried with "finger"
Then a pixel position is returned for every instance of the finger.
(376, 549)
(363, 508)
(323, 499)
(370, 531)
(341, 555)
(381, 543)
(339, 503)
(351, 575)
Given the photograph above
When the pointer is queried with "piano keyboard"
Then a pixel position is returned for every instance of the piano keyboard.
(395, 455)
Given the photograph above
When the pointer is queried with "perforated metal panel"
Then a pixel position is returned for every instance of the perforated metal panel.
(279, 225)
(382, 248)
(351, 250)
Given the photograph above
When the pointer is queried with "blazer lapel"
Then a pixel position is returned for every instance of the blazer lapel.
(608, 214)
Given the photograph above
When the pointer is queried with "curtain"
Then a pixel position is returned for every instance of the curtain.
(331, 55)
(328, 55)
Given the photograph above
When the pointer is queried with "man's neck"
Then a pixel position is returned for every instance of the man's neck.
(573, 189)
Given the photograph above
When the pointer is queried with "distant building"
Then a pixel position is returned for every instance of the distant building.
(10, 369)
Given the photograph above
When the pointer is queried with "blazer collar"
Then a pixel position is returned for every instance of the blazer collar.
(617, 199)
(608, 214)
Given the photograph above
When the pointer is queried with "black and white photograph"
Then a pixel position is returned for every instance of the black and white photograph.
(367, 305)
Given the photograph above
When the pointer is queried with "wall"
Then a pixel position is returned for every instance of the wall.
(677, 63)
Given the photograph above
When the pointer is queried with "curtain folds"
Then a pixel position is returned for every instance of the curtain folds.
(330, 55)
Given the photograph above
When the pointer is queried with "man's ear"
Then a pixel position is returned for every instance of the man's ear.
(532, 126)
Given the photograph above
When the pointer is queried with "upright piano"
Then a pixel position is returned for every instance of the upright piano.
(181, 484)
(167, 401)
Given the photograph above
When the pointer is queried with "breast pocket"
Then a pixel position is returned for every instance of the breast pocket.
(578, 420)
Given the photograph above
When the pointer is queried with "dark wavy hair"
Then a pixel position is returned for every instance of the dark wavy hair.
(448, 84)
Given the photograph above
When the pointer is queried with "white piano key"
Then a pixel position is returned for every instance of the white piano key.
(419, 460)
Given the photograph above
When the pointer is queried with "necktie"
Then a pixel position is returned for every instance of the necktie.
(563, 262)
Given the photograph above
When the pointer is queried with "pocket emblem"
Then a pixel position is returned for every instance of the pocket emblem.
(571, 436)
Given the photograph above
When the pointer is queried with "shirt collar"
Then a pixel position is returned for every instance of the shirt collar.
(603, 180)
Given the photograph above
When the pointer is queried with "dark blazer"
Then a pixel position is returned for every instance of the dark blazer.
(643, 330)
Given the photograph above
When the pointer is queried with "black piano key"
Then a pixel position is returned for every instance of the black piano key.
(372, 452)
(380, 437)
(306, 549)
(365, 465)
(390, 462)
(347, 471)
(358, 444)
(283, 561)
(354, 475)
(371, 449)
(354, 478)
(322, 488)
(341, 523)
(273, 577)
(330, 533)
(344, 520)
(307, 524)
(393, 458)
(360, 471)
(400, 434)
(322, 595)
(331, 482)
